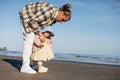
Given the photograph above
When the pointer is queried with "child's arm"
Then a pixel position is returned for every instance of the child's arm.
(37, 40)
(49, 42)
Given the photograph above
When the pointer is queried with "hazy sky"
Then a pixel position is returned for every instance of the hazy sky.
(93, 29)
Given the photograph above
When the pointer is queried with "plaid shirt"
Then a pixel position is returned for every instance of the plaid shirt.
(36, 16)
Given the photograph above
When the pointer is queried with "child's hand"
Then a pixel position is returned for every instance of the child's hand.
(41, 45)
(42, 40)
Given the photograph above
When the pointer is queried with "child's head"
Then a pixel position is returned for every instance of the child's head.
(48, 34)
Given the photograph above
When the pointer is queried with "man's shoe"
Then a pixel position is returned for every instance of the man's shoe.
(27, 69)
(35, 67)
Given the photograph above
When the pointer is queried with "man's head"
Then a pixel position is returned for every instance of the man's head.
(64, 13)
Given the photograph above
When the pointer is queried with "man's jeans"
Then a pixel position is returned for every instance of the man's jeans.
(27, 49)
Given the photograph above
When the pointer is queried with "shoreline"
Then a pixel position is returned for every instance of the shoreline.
(58, 70)
(93, 59)
(71, 61)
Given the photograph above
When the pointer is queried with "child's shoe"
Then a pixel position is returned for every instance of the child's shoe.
(42, 70)
(45, 68)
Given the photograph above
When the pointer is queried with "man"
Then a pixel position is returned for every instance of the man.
(35, 17)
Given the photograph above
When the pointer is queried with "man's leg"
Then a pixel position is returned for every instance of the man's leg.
(27, 50)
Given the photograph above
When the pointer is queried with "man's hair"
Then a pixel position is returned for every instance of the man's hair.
(66, 9)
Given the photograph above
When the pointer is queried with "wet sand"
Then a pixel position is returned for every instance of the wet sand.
(58, 70)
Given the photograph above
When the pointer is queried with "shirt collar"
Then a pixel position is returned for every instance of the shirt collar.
(55, 15)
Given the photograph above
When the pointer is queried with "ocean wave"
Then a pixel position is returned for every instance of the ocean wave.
(98, 59)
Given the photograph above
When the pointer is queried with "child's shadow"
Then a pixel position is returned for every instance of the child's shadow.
(15, 63)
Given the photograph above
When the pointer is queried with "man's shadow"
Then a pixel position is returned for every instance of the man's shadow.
(15, 63)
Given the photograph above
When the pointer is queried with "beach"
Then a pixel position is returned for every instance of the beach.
(58, 70)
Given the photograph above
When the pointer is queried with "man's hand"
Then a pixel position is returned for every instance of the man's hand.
(40, 34)
(42, 38)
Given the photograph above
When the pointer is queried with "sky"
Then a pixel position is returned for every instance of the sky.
(93, 29)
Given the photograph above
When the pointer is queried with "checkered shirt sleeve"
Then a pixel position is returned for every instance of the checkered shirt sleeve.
(35, 14)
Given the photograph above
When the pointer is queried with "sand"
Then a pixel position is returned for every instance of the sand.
(58, 70)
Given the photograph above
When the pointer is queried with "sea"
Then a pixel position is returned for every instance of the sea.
(76, 57)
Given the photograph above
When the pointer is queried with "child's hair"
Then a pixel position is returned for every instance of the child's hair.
(66, 9)
(51, 34)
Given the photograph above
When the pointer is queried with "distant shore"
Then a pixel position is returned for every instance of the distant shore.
(58, 70)
(4, 48)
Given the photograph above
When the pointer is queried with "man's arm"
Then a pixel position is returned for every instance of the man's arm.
(42, 38)
(41, 15)
(39, 40)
